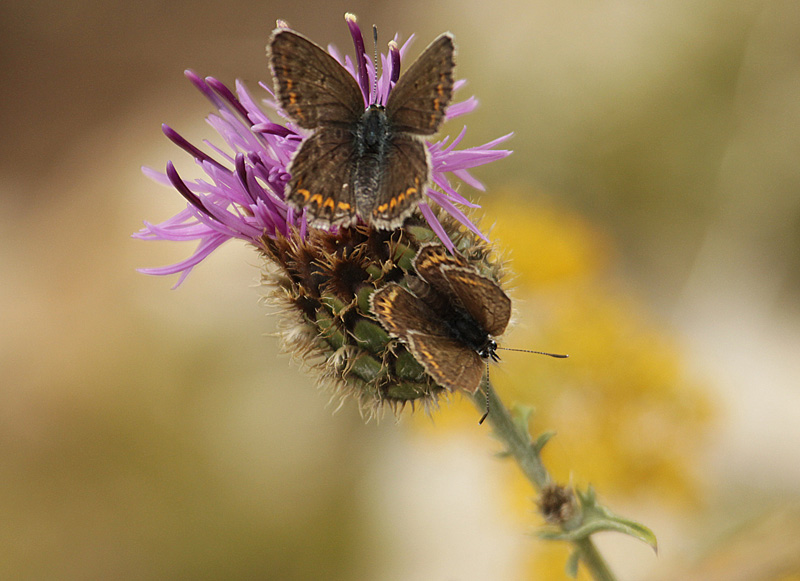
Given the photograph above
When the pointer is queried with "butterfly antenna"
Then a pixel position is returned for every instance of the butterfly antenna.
(486, 390)
(375, 44)
(556, 355)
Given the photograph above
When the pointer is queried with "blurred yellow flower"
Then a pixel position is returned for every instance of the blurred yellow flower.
(629, 418)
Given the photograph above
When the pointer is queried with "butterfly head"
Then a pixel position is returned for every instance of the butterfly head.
(489, 349)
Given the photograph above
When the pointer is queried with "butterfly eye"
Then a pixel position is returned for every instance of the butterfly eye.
(489, 350)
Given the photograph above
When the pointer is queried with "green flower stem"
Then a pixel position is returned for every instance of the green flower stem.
(518, 442)
(593, 560)
(519, 445)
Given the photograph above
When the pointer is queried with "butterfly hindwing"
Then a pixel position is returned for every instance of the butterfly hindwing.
(403, 183)
(418, 101)
(477, 294)
(311, 86)
(450, 363)
(428, 262)
(482, 297)
(328, 201)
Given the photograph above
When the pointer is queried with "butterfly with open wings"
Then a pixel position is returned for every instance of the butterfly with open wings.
(366, 162)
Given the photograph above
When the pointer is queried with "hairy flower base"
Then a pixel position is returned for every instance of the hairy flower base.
(322, 284)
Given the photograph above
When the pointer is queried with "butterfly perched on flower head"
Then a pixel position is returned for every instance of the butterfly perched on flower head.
(368, 162)
(449, 320)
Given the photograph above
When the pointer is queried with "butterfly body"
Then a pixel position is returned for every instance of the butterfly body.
(367, 162)
(462, 327)
(372, 136)
(447, 317)
(455, 318)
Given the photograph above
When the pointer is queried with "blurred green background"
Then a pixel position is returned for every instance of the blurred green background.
(652, 211)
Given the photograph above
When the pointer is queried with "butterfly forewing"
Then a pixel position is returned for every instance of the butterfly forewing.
(328, 201)
(418, 101)
(403, 183)
(311, 86)
(482, 298)
(478, 295)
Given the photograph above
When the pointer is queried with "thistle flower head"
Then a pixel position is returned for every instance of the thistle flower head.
(325, 284)
(557, 504)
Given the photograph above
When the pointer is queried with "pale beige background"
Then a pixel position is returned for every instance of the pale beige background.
(155, 434)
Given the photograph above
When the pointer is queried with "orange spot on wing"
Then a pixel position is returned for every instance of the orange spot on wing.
(430, 358)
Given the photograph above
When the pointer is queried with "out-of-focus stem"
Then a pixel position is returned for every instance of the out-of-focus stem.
(518, 445)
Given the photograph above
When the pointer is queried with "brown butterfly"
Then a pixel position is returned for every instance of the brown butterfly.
(449, 320)
(360, 162)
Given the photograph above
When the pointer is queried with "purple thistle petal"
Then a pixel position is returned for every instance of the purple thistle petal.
(456, 141)
(272, 128)
(468, 179)
(451, 209)
(182, 188)
(178, 140)
(227, 95)
(461, 108)
(206, 247)
(406, 44)
(201, 84)
(436, 226)
(156, 175)
(361, 53)
(252, 110)
(394, 54)
(442, 181)
(342, 60)
(449, 160)
(497, 141)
